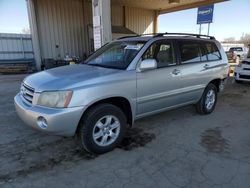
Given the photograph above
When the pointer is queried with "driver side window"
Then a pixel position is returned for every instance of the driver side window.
(162, 52)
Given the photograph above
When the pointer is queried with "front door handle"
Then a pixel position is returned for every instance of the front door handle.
(176, 72)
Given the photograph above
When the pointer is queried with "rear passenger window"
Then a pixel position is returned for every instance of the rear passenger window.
(190, 52)
(212, 52)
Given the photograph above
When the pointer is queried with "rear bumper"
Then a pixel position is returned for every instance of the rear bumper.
(59, 121)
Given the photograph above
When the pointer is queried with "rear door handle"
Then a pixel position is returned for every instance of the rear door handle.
(176, 72)
(206, 66)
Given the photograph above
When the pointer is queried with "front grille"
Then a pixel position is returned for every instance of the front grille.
(27, 92)
(245, 76)
(248, 69)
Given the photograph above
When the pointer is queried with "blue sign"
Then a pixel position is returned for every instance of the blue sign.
(205, 14)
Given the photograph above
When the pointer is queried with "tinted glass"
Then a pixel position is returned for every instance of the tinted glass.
(150, 53)
(203, 53)
(190, 52)
(117, 55)
(162, 52)
(212, 52)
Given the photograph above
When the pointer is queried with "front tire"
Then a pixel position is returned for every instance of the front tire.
(208, 100)
(102, 128)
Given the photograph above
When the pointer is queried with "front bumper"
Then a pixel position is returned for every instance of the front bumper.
(62, 121)
(241, 75)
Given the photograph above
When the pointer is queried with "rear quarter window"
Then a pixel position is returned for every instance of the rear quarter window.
(190, 51)
(212, 52)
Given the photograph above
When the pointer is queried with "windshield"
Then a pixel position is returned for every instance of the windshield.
(239, 49)
(117, 55)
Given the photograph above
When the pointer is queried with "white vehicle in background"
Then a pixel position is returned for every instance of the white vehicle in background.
(240, 52)
(242, 71)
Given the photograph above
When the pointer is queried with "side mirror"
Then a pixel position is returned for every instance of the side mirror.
(148, 64)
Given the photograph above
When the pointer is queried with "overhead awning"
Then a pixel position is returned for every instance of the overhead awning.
(165, 6)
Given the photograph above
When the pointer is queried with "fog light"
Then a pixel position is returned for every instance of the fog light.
(41, 122)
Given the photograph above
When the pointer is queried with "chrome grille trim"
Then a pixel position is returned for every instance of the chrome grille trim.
(27, 92)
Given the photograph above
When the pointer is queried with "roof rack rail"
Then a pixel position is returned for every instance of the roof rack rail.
(128, 36)
(184, 34)
(163, 34)
(148, 34)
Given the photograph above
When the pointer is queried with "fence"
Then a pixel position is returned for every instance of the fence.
(16, 48)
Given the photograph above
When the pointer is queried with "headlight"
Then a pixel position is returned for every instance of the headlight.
(55, 99)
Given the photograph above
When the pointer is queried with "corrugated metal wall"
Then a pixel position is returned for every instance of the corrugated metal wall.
(65, 26)
(117, 15)
(15, 46)
(88, 23)
(139, 20)
(136, 19)
(60, 27)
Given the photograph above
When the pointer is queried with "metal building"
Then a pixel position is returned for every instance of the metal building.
(15, 46)
(65, 27)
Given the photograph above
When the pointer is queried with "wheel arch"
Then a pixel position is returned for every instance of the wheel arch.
(123, 103)
(216, 82)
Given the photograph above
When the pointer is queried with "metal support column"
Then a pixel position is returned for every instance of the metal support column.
(208, 30)
(155, 27)
(101, 22)
(34, 33)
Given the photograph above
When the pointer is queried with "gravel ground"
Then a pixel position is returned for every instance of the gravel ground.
(178, 148)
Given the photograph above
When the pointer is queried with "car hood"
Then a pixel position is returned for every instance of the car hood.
(68, 77)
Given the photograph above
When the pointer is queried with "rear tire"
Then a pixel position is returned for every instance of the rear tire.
(102, 128)
(208, 100)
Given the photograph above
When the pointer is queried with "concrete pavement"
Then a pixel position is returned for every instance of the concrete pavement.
(178, 148)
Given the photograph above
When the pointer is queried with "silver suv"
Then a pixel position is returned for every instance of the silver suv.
(125, 80)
